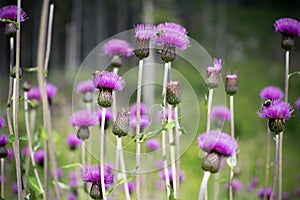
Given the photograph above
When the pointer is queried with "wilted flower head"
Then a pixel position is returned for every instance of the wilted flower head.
(2, 122)
(109, 80)
(145, 121)
(268, 191)
(3, 139)
(121, 125)
(297, 103)
(220, 113)
(153, 144)
(237, 186)
(92, 174)
(212, 79)
(117, 47)
(83, 118)
(276, 110)
(271, 92)
(218, 142)
(131, 186)
(173, 94)
(163, 177)
(287, 26)
(85, 86)
(39, 157)
(143, 109)
(73, 141)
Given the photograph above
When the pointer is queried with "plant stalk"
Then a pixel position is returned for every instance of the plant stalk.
(275, 166)
(102, 154)
(177, 143)
(2, 176)
(267, 160)
(123, 168)
(209, 104)
(203, 185)
(280, 166)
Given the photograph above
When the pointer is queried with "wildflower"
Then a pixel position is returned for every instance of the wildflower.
(120, 127)
(10, 154)
(25, 152)
(163, 177)
(219, 114)
(34, 94)
(237, 186)
(289, 28)
(153, 144)
(231, 84)
(171, 36)
(297, 103)
(212, 79)
(73, 142)
(173, 95)
(9, 14)
(39, 157)
(3, 142)
(83, 119)
(131, 186)
(267, 191)
(271, 92)
(143, 34)
(117, 48)
(217, 145)
(106, 82)
(277, 112)
(86, 88)
(14, 188)
(2, 122)
(51, 90)
(286, 196)
(92, 174)
(253, 185)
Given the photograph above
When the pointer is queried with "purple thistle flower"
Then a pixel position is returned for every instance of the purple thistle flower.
(85, 86)
(73, 141)
(297, 103)
(163, 177)
(171, 34)
(109, 80)
(277, 110)
(117, 47)
(14, 188)
(143, 109)
(212, 79)
(71, 196)
(237, 186)
(218, 142)
(145, 121)
(10, 154)
(92, 174)
(145, 31)
(153, 144)
(25, 152)
(268, 191)
(271, 92)
(34, 94)
(39, 157)
(253, 185)
(287, 26)
(131, 186)
(108, 114)
(72, 179)
(83, 118)
(2, 122)
(59, 173)
(11, 12)
(51, 90)
(3, 139)
(220, 113)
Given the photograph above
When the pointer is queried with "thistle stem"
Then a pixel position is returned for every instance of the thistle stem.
(286, 83)
(137, 130)
(117, 158)
(163, 134)
(216, 186)
(177, 143)
(2, 176)
(230, 184)
(267, 160)
(280, 166)
(209, 104)
(30, 144)
(89, 141)
(102, 153)
(275, 166)
(83, 166)
(123, 168)
(203, 185)
(49, 37)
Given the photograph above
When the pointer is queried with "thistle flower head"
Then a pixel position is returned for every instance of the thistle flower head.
(121, 125)
(153, 144)
(237, 186)
(14, 188)
(109, 80)
(72, 179)
(51, 90)
(34, 94)
(108, 114)
(253, 185)
(231, 84)
(39, 157)
(131, 186)
(91, 174)
(267, 191)
(117, 47)
(71, 196)
(297, 103)
(2, 122)
(145, 31)
(3, 139)
(271, 92)
(83, 118)
(85, 86)
(277, 110)
(25, 152)
(145, 121)
(220, 113)
(173, 95)
(143, 109)
(212, 79)
(163, 177)
(73, 141)
(287, 26)
(171, 34)
(159, 115)
(218, 142)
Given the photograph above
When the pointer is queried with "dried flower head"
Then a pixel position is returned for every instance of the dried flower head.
(173, 95)
(212, 79)
(153, 144)
(219, 142)
(73, 141)
(2, 122)
(143, 34)
(271, 92)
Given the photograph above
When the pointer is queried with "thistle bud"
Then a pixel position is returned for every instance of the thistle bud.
(287, 42)
(276, 125)
(168, 53)
(83, 133)
(105, 98)
(173, 95)
(96, 192)
(120, 127)
(231, 84)
(211, 162)
(10, 29)
(212, 79)
(26, 86)
(13, 72)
